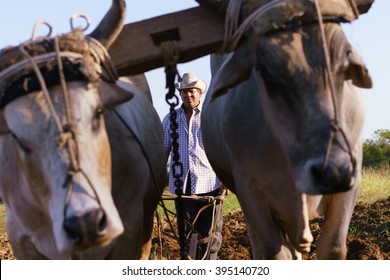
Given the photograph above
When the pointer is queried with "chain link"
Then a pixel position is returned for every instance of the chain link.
(171, 58)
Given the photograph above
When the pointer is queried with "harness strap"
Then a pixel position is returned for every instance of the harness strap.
(71, 138)
(335, 127)
(234, 34)
(43, 86)
(102, 58)
(66, 134)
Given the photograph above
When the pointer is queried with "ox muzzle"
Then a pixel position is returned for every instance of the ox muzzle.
(86, 222)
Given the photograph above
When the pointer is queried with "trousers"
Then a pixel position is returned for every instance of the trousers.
(203, 223)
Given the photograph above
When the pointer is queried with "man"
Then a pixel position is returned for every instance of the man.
(198, 176)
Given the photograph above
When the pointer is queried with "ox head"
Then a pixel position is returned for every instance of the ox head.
(306, 101)
(61, 144)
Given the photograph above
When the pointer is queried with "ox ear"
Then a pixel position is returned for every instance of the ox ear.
(357, 71)
(113, 95)
(3, 123)
(235, 70)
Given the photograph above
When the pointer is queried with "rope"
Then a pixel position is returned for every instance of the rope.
(335, 123)
(205, 239)
(354, 8)
(66, 133)
(69, 134)
(234, 34)
(214, 201)
(102, 58)
(231, 23)
(43, 86)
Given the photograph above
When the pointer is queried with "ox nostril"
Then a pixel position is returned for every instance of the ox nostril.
(317, 172)
(102, 224)
(335, 176)
(86, 229)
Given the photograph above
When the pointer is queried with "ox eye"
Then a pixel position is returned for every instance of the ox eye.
(22, 146)
(346, 59)
(99, 112)
(96, 122)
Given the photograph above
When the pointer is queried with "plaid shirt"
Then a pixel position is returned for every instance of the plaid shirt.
(192, 154)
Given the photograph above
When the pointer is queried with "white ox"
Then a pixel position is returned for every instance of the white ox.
(82, 169)
(280, 137)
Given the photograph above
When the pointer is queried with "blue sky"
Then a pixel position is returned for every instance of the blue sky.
(369, 34)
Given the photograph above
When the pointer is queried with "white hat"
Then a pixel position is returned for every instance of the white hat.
(189, 80)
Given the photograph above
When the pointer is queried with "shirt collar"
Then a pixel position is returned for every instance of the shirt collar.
(197, 109)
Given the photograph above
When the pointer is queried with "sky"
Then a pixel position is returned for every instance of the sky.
(369, 35)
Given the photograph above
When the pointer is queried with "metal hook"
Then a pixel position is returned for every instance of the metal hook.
(37, 25)
(78, 15)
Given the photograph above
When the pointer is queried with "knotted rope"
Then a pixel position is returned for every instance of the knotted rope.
(234, 32)
(91, 67)
(334, 125)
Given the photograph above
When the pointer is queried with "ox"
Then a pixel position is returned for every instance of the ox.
(82, 163)
(283, 128)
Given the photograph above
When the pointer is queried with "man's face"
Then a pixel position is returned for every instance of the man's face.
(190, 97)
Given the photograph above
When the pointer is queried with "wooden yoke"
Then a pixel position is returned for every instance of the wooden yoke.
(196, 31)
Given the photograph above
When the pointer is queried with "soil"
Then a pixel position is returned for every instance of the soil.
(368, 238)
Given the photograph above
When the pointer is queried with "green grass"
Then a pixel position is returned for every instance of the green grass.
(375, 185)
(230, 205)
(2, 218)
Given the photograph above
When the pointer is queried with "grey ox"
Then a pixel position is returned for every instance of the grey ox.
(81, 157)
(282, 123)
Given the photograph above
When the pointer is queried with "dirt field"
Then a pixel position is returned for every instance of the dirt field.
(369, 237)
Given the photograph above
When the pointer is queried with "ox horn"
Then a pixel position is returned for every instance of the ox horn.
(111, 25)
(218, 7)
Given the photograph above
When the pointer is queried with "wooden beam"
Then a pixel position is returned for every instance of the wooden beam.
(138, 48)
(197, 32)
